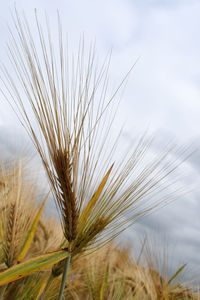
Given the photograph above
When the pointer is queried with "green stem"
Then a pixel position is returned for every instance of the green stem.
(65, 271)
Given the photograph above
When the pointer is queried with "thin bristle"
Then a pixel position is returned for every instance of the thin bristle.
(74, 115)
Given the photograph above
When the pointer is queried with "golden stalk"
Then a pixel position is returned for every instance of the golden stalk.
(69, 104)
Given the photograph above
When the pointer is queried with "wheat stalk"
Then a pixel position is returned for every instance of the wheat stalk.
(16, 210)
(69, 105)
(10, 215)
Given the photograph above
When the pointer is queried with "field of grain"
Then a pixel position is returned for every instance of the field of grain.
(62, 100)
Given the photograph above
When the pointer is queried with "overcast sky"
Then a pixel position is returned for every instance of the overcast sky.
(163, 92)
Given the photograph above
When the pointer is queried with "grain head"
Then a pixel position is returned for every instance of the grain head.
(63, 103)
